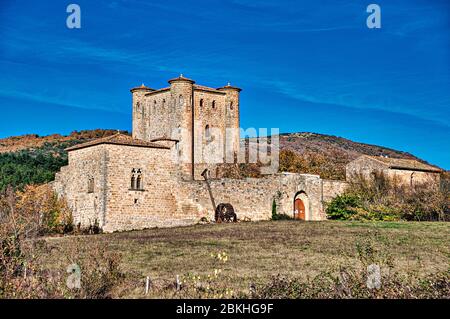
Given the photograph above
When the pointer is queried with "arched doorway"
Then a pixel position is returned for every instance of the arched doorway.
(301, 206)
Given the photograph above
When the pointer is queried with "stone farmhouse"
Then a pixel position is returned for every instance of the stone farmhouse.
(153, 178)
(405, 172)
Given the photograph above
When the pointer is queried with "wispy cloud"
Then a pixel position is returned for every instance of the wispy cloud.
(51, 99)
(347, 96)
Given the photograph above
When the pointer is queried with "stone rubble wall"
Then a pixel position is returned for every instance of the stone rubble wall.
(252, 198)
(154, 206)
(332, 188)
(71, 183)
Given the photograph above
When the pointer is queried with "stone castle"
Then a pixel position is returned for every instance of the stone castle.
(153, 178)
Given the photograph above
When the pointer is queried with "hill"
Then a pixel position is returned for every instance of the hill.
(333, 145)
(35, 159)
(34, 141)
(32, 159)
(327, 155)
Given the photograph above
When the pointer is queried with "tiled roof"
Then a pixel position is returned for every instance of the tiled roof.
(206, 88)
(142, 87)
(228, 86)
(181, 78)
(196, 87)
(401, 163)
(117, 139)
(158, 91)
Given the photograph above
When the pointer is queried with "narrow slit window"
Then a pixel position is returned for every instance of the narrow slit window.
(207, 133)
(91, 185)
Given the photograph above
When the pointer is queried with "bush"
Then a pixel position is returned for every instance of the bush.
(99, 270)
(36, 211)
(40, 203)
(383, 199)
(281, 217)
(352, 283)
(343, 207)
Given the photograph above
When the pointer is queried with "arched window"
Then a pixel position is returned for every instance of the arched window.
(231, 105)
(213, 104)
(136, 179)
(201, 102)
(163, 103)
(138, 182)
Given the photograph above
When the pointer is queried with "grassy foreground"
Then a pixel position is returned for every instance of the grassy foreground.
(257, 251)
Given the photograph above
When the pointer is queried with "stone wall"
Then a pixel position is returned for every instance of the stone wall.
(364, 167)
(409, 177)
(252, 198)
(332, 188)
(113, 204)
(73, 180)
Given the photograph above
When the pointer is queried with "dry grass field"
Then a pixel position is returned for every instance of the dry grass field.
(259, 250)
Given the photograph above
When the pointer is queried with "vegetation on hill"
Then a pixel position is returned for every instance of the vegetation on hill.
(31, 159)
(33, 141)
(327, 155)
(312, 163)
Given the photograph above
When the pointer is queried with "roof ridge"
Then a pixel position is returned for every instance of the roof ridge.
(410, 163)
(118, 139)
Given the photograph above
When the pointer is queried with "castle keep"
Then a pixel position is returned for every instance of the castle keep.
(153, 178)
(189, 115)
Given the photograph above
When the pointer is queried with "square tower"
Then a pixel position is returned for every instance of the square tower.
(202, 122)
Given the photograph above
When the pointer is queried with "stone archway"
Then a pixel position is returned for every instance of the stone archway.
(301, 206)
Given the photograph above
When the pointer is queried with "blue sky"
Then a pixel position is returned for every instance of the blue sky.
(303, 65)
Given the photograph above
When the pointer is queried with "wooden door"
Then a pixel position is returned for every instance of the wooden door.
(299, 209)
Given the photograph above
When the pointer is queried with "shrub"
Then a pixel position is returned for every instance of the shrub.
(343, 207)
(352, 283)
(99, 270)
(382, 198)
(41, 204)
(281, 217)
